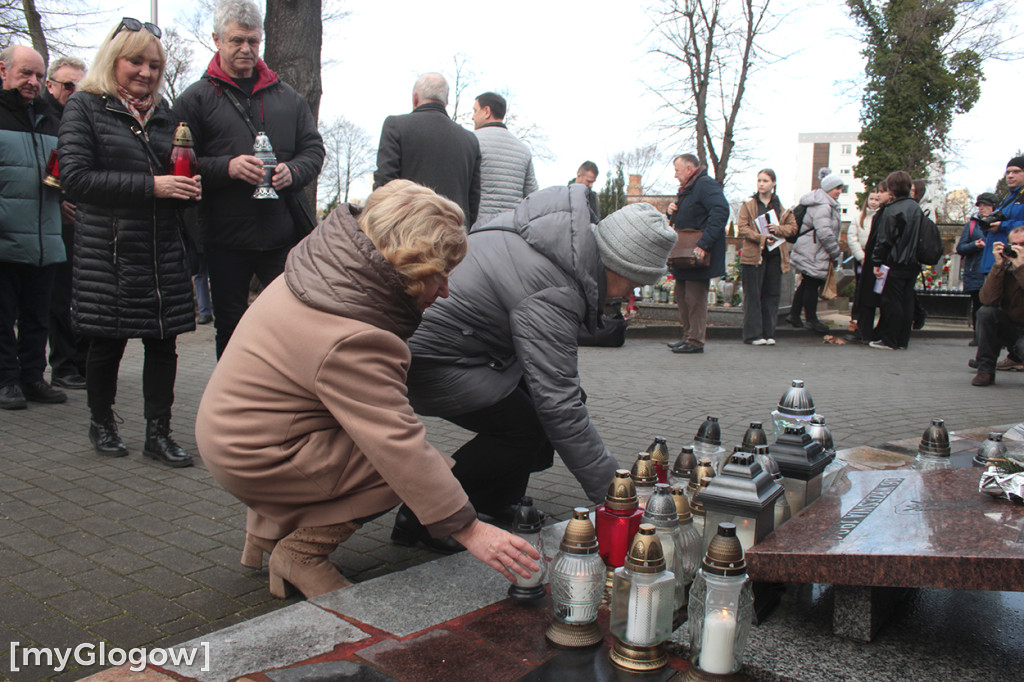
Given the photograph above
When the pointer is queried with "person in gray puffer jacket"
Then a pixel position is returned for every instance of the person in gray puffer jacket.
(499, 355)
(506, 164)
(816, 248)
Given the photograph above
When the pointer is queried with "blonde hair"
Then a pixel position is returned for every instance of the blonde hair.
(128, 44)
(419, 232)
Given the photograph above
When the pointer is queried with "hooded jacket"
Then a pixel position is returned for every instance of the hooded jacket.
(305, 418)
(29, 210)
(514, 308)
(129, 274)
(232, 219)
(819, 244)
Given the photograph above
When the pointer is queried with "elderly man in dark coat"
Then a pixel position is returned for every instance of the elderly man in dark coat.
(700, 205)
(427, 147)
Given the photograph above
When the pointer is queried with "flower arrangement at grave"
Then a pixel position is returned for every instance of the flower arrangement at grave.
(1004, 477)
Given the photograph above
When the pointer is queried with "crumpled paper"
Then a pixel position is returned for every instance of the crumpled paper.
(1003, 485)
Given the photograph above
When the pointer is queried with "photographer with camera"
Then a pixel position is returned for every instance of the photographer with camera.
(1001, 317)
(1008, 215)
(971, 247)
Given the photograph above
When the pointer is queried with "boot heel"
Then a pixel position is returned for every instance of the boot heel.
(252, 553)
(278, 586)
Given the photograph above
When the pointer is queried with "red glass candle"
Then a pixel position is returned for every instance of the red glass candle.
(618, 520)
(52, 178)
(183, 161)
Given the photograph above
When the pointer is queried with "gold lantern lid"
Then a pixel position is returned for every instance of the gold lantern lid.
(646, 554)
(682, 505)
(183, 136)
(697, 502)
(621, 492)
(725, 553)
(702, 469)
(643, 471)
(580, 536)
(659, 451)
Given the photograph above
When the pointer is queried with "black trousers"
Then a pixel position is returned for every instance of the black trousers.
(231, 271)
(25, 305)
(897, 306)
(68, 350)
(159, 368)
(806, 298)
(762, 286)
(494, 467)
(994, 329)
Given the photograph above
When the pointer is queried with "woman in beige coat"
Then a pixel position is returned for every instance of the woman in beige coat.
(305, 418)
(764, 256)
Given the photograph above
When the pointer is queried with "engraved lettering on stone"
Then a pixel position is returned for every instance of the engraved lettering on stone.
(853, 518)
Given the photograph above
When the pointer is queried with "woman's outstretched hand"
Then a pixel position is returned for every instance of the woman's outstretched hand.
(506, 553)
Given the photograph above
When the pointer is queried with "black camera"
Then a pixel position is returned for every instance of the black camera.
(993, 217)
(1009, 252)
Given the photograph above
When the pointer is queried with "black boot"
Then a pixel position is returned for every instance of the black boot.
(160, 447)
(105, 439)
(408, 531)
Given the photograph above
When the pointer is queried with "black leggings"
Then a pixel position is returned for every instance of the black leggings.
(158, 373)
(806, 298)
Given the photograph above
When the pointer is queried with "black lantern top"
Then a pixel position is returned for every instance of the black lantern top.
(742, 487)
(797, 400)
(580, 536)
(935, 440)
(646, 554)
(621, 492)
(798, 455)
(709, 432)
(754, 435)
(725, 553)
(685, 463)
(528, 518)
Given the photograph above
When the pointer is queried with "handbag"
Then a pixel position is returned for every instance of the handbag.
(829, 291)
(682, 256)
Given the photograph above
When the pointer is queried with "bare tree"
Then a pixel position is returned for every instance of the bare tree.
(461, 77)
(55, 28)
(640, 161)
(351, 155)
(178, 72)
(709, 49)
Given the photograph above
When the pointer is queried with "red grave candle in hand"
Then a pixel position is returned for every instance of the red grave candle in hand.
(183, 157)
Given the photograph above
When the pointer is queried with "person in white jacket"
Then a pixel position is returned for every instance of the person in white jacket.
(857, 241)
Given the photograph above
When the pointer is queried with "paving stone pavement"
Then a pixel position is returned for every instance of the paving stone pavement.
(131, 553)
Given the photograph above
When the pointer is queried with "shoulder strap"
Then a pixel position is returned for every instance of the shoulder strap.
(241, 110)
(144, 139)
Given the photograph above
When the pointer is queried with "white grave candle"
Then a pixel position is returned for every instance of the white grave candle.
(718, 637)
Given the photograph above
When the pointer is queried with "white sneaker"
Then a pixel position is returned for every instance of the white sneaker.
(759, 342)
(879, 344)
(769, 342)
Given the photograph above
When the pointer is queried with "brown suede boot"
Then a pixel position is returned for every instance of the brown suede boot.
(300, 558)
(255, 548)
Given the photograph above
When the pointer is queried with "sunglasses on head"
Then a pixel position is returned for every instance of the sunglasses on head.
(129, 24)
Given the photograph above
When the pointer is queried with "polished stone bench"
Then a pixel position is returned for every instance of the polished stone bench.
(876, 533)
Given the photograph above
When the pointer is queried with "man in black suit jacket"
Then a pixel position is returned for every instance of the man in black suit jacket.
(427, 147)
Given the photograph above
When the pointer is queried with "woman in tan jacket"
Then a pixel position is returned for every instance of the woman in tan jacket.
(305, 418)
(764, 256)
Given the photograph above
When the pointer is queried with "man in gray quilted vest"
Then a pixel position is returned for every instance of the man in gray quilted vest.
(506, 164)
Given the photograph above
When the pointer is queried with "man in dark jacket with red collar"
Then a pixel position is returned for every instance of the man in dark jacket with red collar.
(427, 147)
(246, 236)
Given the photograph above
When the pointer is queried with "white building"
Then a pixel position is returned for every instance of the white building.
(837, 151)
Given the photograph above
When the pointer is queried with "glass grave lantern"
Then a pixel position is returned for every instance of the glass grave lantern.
(577, 584)
(721, 608)
(754, 435)
(763, 455)
(617, 521)
(661, 513)
(688, 534)
(527, 524)
(801, 461)
(52, 177)
(641, 608)
(697, 506)
(795, 408)
(644, 477)
(933, 451)
(262, 150)
(658, 451)
(684, 465)
(708, 442)
(820, 432)
(744, 495)
(703, 468)
(183, 162)
(993, 447)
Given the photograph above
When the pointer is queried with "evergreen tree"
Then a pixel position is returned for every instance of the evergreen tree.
(612, 196)
(916, 81)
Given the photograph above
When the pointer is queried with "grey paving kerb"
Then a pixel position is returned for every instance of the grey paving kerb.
(132, 553)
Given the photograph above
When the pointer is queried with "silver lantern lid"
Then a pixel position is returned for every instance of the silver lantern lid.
(797, 400)
(935, 440)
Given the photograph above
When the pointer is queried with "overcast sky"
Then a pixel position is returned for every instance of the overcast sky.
(578, 70)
